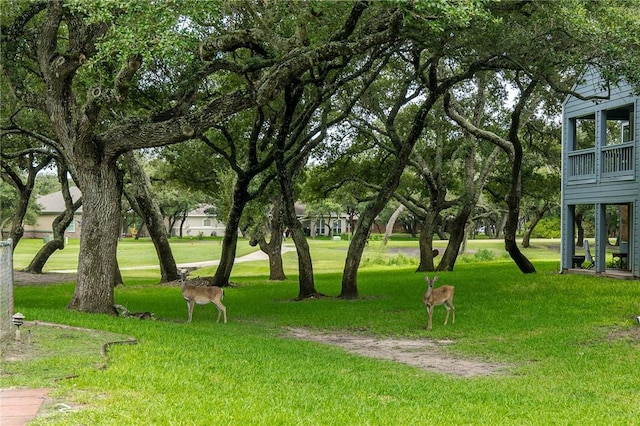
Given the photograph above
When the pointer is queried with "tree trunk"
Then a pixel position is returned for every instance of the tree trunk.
(539, 214)
(101, 187)
(24, 192)
(501, 225)
(276, 268)
(42, 256)
(60, 224)
(307, 288)
(513, 214)
(391, 223)
(149, 210)
(426, 241)
(371, 211)
(286, 171)
(456, 238)
(183, 219)
(354, 255)
(273, 248)
(17, 229)
(230, 239)
(580, 229)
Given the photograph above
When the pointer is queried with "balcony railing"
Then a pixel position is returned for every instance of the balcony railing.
(615, 160)
(582, 164)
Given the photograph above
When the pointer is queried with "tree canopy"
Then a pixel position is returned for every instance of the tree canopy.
(107, 77)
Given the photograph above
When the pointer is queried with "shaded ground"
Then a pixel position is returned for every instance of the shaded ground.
(426, 354)
(23, 278)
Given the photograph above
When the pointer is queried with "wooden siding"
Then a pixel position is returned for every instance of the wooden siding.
(591, 85)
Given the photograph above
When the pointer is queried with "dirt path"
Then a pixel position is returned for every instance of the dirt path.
(24, 278)
(422, 353)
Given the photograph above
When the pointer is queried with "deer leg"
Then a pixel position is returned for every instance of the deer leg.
(430, 314)
(190, 304)
(446, 319)
(221, 310)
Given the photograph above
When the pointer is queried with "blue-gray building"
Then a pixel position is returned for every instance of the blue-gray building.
(601, 176)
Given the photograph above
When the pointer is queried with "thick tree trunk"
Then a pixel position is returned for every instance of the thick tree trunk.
(307, 287)
(426, 241)
(456, 238)
(276, 268)
(149, 209)
(354, 256)
(306, 283)
(101, 188)
(273, 248)
(230, 239)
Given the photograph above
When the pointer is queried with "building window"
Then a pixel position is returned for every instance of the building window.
(337, 227)
(619, 125)
(206, 222)
(584, 132)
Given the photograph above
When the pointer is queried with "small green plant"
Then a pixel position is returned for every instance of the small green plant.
(482, 255)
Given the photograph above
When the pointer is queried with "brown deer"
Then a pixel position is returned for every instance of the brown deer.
(201, 295)
(442, 295)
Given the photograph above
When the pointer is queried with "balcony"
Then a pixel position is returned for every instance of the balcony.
(615, 161)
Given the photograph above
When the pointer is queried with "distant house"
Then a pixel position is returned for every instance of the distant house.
(51, 206)
(601, 175)
(199, 223)
(323, 224)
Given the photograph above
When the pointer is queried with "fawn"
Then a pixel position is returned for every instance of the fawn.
(201, 295)
(442, 295)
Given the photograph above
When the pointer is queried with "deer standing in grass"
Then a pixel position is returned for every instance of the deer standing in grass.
(442, 295)
(201, 295)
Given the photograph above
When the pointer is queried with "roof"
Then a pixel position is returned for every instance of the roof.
(54, 203)
(201, 210)
(605, 96)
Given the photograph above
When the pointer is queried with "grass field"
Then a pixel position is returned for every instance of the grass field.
(568, 344)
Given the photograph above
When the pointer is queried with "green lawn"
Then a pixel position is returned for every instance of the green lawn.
(569, 343)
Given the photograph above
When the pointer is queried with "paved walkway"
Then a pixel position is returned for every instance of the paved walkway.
(19, 406)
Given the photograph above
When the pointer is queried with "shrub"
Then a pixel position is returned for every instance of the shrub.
(547, 228)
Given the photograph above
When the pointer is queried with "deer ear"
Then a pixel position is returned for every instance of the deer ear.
(435, 279)
(426, 278)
